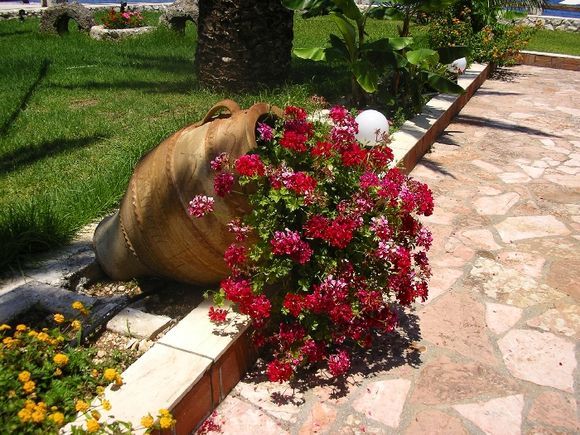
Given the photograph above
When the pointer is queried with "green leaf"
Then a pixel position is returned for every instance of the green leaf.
(422, 56)
(298, 5)
(379, 45)
(349, 9)
(449, 54)
(337, 49)
(316, 53)
(401, 60)
(400, 43)
(366, 76)
(443, 84)
(348, 32)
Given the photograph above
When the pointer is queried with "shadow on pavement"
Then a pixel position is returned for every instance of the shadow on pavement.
(501, 125)
(389, 351)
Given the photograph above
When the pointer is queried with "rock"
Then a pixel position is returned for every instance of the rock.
(510, 286)
(135, 323)
(384, 401)
(462, 328)
(178, 13)
(319, 419)
(55, 19)
(100, 33)
(539, 357)
(564, 320)
(500, 318)
(555, 409)
(502, 416)
(435, 422)
(526, 227)
(445, 382)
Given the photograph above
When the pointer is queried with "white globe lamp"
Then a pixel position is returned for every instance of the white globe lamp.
(372, 125)
(458, 66)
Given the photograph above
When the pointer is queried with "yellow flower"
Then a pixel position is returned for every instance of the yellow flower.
(43, 336)
(39, 415)
(57, 372)
(96, 414)
(110, 374)
(100, 390)
(24, 376)
(92, 426)
(147, 421)
(21, 328)
(94, 373)
(165, 422)
(58, 318)
(164, 412)
(78, 305)
(81, 406)
(25, 415)
(118, 380)
(32, 333)
(106, 405)
(4, 327)
(30, 405)
(75, 325)
(57, 418)
(29, 387)
(60, 359)
(10, 342)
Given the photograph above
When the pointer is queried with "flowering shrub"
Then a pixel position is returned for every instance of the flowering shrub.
(123, 20)
(331, 244)
(44, 383)
(496, 42)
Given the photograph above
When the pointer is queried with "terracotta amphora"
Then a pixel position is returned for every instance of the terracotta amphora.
(152, 234)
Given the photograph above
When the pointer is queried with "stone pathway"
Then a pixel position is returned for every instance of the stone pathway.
(493, 349)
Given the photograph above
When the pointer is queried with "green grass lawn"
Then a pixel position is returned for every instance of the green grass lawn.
(555, 41)
(77, 114)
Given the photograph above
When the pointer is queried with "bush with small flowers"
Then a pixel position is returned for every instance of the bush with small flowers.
(331, 245)
(124, 19)
(44, 383)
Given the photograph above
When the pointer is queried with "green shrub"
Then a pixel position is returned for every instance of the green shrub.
(45, 381)
(496, 43)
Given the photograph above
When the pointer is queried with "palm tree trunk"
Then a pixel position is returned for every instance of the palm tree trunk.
(243, 44)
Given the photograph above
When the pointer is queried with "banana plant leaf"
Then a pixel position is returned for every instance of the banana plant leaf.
(422, 56)
(316, 53)
(347, 31)
(449, 54)
(349, 9)
(366, 76)
(443, 84)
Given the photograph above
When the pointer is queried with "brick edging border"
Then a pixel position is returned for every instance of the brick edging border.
(417, 135)
(550, 60)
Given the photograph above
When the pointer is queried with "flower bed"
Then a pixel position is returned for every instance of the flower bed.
(332, 244)
(120, 25)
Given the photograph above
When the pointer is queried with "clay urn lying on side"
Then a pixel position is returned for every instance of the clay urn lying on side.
(152, 234)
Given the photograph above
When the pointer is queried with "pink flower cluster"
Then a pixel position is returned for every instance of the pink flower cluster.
(289, 243)
(200, 205)
(332, 243)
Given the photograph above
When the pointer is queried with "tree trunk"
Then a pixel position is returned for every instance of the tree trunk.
(243, 43)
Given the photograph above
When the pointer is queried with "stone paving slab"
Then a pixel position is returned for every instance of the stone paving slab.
(493, 350)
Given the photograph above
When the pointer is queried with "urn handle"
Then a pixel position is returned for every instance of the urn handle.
(229, 105)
